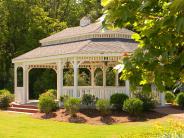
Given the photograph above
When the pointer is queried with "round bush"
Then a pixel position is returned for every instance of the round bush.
(72, 105)
(88, 99)
(169, 97)
(133, 106)
(180, 100)
(53, 91)
(5, 99)
(47, 103)
(103, 106)
(117, 100)
(148, 100)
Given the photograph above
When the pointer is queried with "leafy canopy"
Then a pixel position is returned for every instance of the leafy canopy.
(159, 27)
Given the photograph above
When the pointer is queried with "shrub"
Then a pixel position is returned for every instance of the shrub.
(148, 100)
(53, 91)
(134, 106)
(47, 103)
(180, 99)
(5, 99)
(72, 105)
(88, 99)
(103, 106)
(169, 97)
(117, 100)
(64, 98)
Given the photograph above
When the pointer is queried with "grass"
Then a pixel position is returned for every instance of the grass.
(14, 125)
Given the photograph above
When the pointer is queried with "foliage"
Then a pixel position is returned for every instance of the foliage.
(46, 80)
(174, 130)
(134, 106)
(159, 27)
(180, 99)
(147, 98)
(88, 99)
(103, 106)
(72, 105)
(118, 99)
(24, 23)
(47, 103)
(169, 97)
(5, 99)
(64, 98)
(53, 92)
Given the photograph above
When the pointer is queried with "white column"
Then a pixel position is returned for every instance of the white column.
(25, 84)
(117, 79)
(15, 77)
(75, 66)
(104, 76)
(127, 87)
(92, 76)
(60, 67)
(162, 99)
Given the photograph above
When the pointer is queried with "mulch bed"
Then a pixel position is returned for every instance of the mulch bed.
(92, 116)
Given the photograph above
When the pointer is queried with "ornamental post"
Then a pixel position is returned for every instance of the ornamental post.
(75, 66)
(60, 67)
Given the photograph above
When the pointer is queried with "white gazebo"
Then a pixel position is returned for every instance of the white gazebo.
(86, 46)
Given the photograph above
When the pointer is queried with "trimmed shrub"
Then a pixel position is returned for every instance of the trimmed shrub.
(53, 91)
(180, 99)
(5, 99)
(169, 97)
(133, 106)
(47, 103)
(148, 100)
(88, 99)
(103, 106)
(72, 105)
(117, 100)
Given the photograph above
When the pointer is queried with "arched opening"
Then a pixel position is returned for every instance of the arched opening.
(110, 77)
(98, 77)
(84, 77)
(19, 77)
(41, 80)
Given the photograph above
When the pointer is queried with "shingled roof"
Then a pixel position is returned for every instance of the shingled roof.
(82, 46)
(89, 29)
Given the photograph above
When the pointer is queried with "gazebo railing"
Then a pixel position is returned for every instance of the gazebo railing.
(99, 91)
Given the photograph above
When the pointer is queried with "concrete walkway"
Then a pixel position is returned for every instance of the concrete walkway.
(169, 110)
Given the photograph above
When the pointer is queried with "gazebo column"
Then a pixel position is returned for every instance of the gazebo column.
(104, 75)
(117, 79)
(25, 96)
(60, 67)
(15, 77)
(92, 76)
(75, 66)
(127, 87)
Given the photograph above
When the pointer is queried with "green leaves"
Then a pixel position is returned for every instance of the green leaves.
(159, 27)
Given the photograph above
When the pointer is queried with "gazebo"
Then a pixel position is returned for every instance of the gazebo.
(90, 46)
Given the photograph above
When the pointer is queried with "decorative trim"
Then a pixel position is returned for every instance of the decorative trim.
(85, 37)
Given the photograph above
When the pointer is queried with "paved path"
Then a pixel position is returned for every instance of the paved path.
(170, 111)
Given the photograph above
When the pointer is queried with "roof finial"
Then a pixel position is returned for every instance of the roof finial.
(85, 21)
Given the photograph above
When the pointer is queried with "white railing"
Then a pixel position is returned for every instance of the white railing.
(99, 91)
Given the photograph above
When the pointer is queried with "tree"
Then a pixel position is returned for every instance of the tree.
(159, 27)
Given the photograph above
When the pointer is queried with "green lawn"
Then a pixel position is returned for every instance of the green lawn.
(24, 126)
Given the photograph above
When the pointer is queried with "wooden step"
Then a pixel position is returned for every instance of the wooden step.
(24, 106)
(26, 110)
